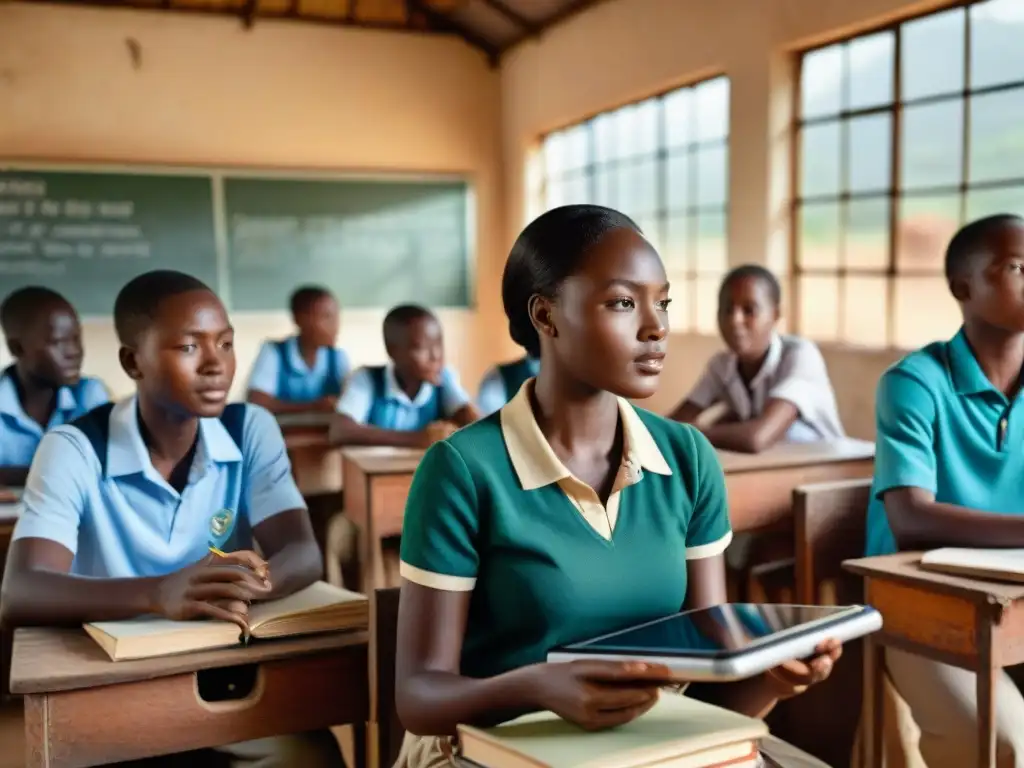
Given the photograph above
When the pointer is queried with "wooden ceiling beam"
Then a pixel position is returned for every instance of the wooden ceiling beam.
(169, 6)
(443, 22)
(566, 12)
(511, 14)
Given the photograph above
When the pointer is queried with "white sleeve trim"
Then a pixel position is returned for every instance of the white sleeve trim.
(433, 580)
(709, 550)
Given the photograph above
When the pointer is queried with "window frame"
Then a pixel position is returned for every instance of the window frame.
(895, 191)
(593, 168)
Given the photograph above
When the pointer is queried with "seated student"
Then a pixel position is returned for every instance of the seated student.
(948, 467)
(304, 372)
(501, 383)
(772, 387)
(413, 401)
(122, 506)
(567, 514)
(44, 387)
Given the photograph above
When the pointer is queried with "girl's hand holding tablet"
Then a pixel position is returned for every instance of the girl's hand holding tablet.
(597, 694)
(794, 677)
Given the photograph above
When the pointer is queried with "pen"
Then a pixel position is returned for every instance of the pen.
(217, 552)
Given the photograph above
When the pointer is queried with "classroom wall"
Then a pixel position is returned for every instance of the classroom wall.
(284, 94)
(624, 50)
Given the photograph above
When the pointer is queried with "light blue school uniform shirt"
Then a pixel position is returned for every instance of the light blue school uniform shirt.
(127, 521)
(281, 372)
(20, 433)
(943, 427)
(501, 383)
(372, 396)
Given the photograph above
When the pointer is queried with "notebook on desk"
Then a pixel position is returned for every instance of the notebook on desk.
(319, 607)
(992, 564)
(679, 732)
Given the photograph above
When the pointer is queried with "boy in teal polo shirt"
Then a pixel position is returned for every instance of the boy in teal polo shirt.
(121, 507)
(949, 468)
(44, 388)
(567, 514)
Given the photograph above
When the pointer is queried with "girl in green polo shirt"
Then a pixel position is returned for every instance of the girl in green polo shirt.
(569, 512)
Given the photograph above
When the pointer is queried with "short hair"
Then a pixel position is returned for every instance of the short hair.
(137, 304)
(754, 272)
(399, 318)
(303, 298)
(550, 249)
(24, 306)
(970, 241)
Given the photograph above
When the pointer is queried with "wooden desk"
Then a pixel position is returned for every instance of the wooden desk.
(760, 486)
(377, 482)
(972, 624)
(83, 709)
(315, 463)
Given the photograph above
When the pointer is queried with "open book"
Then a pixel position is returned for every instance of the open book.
(679, 732)
(994, 564)
(319, 607)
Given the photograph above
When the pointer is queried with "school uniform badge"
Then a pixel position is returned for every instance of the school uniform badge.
(221, 525)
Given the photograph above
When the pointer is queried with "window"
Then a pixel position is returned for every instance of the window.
(903, 135)
(665, 163)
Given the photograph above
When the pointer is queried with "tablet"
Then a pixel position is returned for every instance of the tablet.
(733, 641)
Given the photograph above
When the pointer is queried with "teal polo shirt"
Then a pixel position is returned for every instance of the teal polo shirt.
(494, 512)
(943, 427)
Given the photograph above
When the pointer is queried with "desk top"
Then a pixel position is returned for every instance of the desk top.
(47, 660)
(310, 420)
(785, 455)
(904, 568)
(9, 495)
(384, 461)
(9, 513)
(397, 461)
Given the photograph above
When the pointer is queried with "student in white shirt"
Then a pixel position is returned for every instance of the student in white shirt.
(771, 387)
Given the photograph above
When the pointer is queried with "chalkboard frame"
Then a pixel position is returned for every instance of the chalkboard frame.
(217, 174)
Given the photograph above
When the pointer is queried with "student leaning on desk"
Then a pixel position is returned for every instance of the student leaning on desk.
(566, 514)
(949, 465)
(413, 401)
(121, 507)
(770, 387)
(305, 372)
(44, 388)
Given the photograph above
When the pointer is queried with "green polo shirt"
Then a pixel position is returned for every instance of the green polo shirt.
(493, 511)
(944, 428)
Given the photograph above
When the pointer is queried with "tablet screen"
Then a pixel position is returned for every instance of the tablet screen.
(724, 629)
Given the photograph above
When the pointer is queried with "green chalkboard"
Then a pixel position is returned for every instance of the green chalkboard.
(374, 243)
(87, 234)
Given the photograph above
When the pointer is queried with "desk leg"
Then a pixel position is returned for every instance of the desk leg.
(986, 675)
(872, 717)
(37, 736)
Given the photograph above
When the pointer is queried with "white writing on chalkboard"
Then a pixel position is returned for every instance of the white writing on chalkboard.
(42, 235)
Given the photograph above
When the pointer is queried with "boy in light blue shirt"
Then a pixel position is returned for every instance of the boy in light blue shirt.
(44, 388)
(949, 465)
(305, 372)
(122, 505)
(501, 383)
(413, 401)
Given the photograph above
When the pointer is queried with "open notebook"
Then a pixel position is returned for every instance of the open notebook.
(995, 564)
(319, 607)
(679, 732)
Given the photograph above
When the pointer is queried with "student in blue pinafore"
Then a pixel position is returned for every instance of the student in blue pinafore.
(305, 372)
(44, 388)
(122, 505)
(501, 383)
(415, 399)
